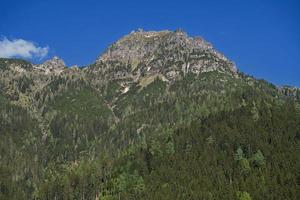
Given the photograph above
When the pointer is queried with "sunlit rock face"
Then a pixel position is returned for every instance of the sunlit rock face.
(170, 53)
(54, 66)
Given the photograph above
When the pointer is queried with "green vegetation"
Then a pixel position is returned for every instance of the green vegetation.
(181, 163)
(84, 103)
(207, 136)
(4, 63)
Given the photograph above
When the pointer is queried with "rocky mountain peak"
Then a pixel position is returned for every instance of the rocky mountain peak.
(164, 52)
(55, 65)
(134, 46)
(139, 44)
(55, 62)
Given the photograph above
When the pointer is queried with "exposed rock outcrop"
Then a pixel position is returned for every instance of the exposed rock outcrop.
(52, 66)
(171, 53)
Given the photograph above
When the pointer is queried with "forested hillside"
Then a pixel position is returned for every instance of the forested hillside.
(159, 115)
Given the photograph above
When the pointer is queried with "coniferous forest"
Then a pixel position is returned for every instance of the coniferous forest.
(98, 132)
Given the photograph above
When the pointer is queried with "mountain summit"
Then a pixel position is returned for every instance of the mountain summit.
(55, 65)
(170, 53)
(159, 115)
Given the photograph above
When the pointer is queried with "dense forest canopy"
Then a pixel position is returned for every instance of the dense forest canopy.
(179, 123)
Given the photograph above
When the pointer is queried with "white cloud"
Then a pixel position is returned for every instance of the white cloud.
(21, 48)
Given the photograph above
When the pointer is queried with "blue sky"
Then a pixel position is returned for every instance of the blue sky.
(261, 36)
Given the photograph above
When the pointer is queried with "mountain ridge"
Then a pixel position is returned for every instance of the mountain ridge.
(175, 121)
(143, 50)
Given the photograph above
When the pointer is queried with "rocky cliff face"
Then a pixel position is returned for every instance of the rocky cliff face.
(52, 66)
(169, 53)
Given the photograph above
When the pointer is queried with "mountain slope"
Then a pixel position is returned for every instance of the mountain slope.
(159, 115)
